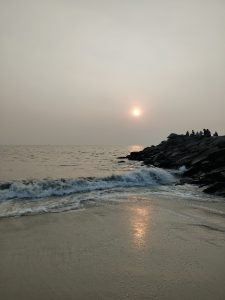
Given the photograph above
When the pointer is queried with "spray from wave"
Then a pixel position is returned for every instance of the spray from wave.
(35, 189)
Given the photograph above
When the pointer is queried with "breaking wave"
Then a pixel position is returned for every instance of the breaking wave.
(34, 189)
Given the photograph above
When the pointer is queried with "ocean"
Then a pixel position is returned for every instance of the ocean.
(47, 179)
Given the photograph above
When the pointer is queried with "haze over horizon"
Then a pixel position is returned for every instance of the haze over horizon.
(71, 71)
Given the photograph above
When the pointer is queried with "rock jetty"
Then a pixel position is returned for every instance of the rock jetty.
(203, 156)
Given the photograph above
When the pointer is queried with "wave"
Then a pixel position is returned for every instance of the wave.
(34, 189)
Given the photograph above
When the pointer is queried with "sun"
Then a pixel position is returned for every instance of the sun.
(136, 112)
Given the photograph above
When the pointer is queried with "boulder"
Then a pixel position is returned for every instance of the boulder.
(203, 156)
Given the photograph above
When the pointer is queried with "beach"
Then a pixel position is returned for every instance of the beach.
(112, 150)
(151, 248)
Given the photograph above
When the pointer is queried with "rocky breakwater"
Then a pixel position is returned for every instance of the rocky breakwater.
(203, 156)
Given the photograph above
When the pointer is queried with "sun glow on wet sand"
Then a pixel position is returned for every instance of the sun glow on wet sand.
(140, 224)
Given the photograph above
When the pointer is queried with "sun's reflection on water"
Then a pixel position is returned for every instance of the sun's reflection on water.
(135, 148)
(140, 224)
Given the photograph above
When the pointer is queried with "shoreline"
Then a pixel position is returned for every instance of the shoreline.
(155, 248)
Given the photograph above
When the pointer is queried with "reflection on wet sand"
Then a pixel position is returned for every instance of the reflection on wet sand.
(140, 224)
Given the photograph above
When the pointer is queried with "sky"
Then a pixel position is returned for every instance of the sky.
(71, 71)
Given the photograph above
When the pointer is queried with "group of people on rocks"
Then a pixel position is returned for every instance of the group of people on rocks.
(205, 132)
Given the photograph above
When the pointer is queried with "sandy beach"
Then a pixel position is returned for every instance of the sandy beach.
(145, 249)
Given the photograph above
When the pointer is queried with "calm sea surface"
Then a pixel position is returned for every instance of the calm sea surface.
(42, 179)
(38, 162)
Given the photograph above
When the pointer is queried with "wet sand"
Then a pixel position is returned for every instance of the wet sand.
(141, 250)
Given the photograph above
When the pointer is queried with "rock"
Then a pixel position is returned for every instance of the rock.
(5, 185)
(203, 156)
(216, 188)
(172, 136)
(135, 156)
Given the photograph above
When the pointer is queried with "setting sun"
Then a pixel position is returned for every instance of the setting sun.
(136, 112)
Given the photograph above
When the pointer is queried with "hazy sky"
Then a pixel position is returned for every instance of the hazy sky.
(70, 70)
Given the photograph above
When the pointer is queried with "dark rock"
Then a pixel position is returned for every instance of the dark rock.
(216, 188)
(5, 185)
(202, 155)
(135, 156)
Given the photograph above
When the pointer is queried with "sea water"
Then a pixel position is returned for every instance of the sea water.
(41, 179)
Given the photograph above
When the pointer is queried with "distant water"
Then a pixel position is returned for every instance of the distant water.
(40, 179)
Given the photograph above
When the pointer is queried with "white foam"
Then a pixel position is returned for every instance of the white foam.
(46, 188)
